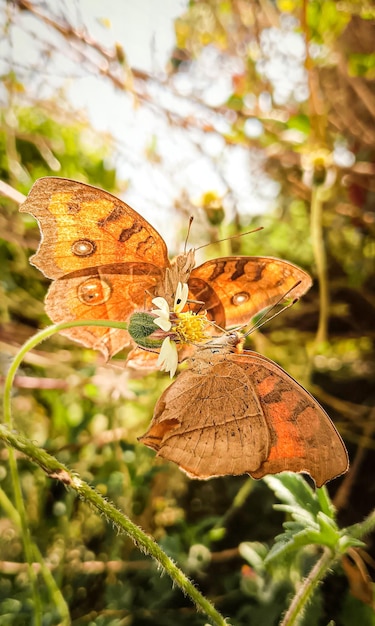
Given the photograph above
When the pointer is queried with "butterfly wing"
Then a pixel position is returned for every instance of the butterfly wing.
(83, 227)
(234, 289)
(302, 436)
(210, 422)
(233, 414)
(109, 293)
(102, 254)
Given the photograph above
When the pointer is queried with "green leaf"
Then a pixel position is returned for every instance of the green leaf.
(294, 490)
(290, 542)
(325, 502)
(330, 533)
(346, 541)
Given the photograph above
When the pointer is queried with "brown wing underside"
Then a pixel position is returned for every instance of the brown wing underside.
(244, 414)
(210, 425)
(303, 438)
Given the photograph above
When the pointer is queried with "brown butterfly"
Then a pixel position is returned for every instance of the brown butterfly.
(235, 413)
(107, 261)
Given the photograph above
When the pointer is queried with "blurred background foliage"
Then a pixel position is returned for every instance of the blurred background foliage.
(312, 133)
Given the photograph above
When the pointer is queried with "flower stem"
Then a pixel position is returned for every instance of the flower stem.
(28, 544)
(317, 238)
(307, 588)
(55, 469)
(34, 341)
(30, 549)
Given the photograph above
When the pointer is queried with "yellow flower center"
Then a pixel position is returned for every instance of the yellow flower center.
(190, 327)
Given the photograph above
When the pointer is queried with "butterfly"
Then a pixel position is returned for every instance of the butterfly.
(106, 262)
(233, 413)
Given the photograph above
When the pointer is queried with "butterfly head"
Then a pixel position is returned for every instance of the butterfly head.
(178, 273)
(228, 342)
(185, 263)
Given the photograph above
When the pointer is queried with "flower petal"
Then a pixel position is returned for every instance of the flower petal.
(180, 299)
(168, 357)
(162, 312)
(162, 305)
(163, 323)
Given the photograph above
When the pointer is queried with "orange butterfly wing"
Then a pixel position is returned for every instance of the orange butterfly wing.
(103, 256)
(106, 259)
(234, 289)
(232, 414)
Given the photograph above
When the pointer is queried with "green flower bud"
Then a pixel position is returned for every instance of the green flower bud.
(141, 326)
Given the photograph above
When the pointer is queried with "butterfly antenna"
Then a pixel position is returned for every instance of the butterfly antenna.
(264, 319)
(191, 218)
(249, 232)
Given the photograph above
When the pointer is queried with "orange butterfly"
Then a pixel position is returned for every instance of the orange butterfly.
(107, 261)
(233, 413)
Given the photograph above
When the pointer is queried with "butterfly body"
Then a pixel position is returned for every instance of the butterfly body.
(236, 413)
(106, 261)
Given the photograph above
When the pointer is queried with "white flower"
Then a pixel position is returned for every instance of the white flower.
(162, 311)
(168, 357)
(180, 297)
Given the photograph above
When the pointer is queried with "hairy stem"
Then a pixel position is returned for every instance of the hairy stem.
(57, 470)
(363, 528)
(307, 588)
(28, 544)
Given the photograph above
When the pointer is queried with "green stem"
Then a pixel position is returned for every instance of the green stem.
(317, 238)
(363, 528)
(57, 470)
(28, 544)
(238, 501)
(307, 589)
(34, 341)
